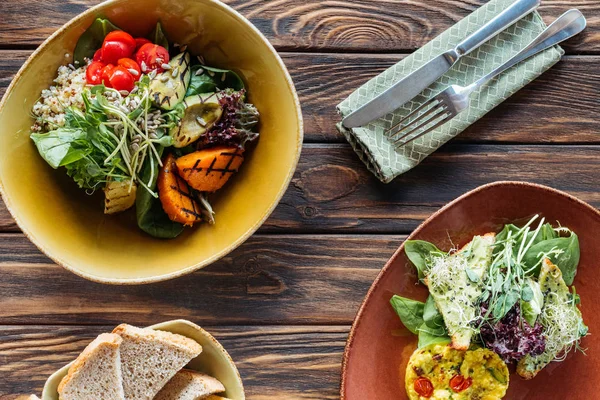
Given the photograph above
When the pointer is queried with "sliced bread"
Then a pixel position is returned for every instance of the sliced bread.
(96, 373)
(190, 385)
(151, 358)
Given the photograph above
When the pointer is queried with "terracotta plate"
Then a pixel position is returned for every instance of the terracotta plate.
(379, 347)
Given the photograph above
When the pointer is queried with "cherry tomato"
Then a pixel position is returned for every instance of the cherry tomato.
(423, 387)
(106, 73)
(98, 55)
(121, 79)
(139, 42)
(117, 44)
(131, 66)
(458, 383)
(152, 56)
(93, 73)
(123, 37)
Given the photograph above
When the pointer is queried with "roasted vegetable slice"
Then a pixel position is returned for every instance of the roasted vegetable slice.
(119, 196)
(175, 195)
(201, 113)
(168, 88)
(209, 169)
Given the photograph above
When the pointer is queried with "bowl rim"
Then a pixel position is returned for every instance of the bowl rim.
(62, 372)
(388, 264)
(189, 269)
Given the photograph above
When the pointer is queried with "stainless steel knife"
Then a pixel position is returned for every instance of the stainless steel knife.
(413, 84)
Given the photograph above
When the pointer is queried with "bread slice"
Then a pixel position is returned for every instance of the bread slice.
(190, 385)
(96, 373)
(151, 358)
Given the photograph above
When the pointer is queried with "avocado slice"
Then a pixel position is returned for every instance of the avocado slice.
(168, 88)
(201, 113)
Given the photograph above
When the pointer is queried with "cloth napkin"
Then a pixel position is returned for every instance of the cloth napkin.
(377, 151)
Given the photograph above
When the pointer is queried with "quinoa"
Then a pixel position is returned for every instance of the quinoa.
(49, 111)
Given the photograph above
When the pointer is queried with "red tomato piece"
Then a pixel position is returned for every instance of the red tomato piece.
(132, 67)
(123, 37)
(121, 79)
(458, 383)
(423, 387)
(93, 73)
(139, 42)
(98, 55)
(152, 56)
(106, 72)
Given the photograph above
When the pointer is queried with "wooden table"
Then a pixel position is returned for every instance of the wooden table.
(283, 303)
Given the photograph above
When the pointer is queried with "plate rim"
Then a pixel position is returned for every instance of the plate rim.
(375, 284)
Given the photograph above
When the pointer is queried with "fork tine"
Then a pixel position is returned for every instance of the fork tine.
(446, 117)
(439, 106)
(412, 114)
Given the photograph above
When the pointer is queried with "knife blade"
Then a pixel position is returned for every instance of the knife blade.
(414, 83)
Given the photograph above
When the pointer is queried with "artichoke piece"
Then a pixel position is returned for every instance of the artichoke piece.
(168, 88)
(119, 196)
(201, 113)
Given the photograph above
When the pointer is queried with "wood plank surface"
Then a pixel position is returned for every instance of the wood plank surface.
(559, 107)
(278, 280)
(295, 25)
(333, 192)
(300, 362)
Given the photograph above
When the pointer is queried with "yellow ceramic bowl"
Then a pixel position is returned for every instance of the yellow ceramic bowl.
(69, 226)
(214, 361)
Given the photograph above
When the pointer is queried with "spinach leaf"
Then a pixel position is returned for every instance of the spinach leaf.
(427, 336)
(431, 315)
(212, 80)
(91, 40)
(157, 36)
(410, 312)
(61, 146)
(562, 251)
(151, 217)
(419, 253)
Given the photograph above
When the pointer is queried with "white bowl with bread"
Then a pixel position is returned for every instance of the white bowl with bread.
(174, 360)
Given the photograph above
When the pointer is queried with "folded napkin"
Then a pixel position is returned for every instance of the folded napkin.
(378, 152)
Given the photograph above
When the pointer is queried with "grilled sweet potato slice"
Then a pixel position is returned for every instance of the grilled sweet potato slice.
(175, 195)
(209, 169)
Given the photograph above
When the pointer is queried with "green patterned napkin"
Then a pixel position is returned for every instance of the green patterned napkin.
(377, 152)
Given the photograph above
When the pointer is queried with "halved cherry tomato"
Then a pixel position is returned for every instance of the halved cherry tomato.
(152, 56)
(116, 45)
(98, 55)
(423, 387)
(139, 42)
(121, 79)
(132, 67)
(93, 73)
(458, 383)
(106, 73)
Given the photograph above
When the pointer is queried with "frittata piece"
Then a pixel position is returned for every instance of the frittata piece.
(456, 282)
(442, 372)
(560, 317)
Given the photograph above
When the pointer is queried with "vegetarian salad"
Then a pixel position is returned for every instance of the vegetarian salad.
(504, 298)
(150, 125)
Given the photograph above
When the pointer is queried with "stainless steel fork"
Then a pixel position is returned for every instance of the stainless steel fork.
(452, 101)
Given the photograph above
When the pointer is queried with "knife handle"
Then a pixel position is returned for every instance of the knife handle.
(506, 18)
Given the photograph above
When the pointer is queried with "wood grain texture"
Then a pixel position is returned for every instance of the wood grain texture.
(269, 280)
(559, 107)
(332, 25)
(301, 362)
(333, 192)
